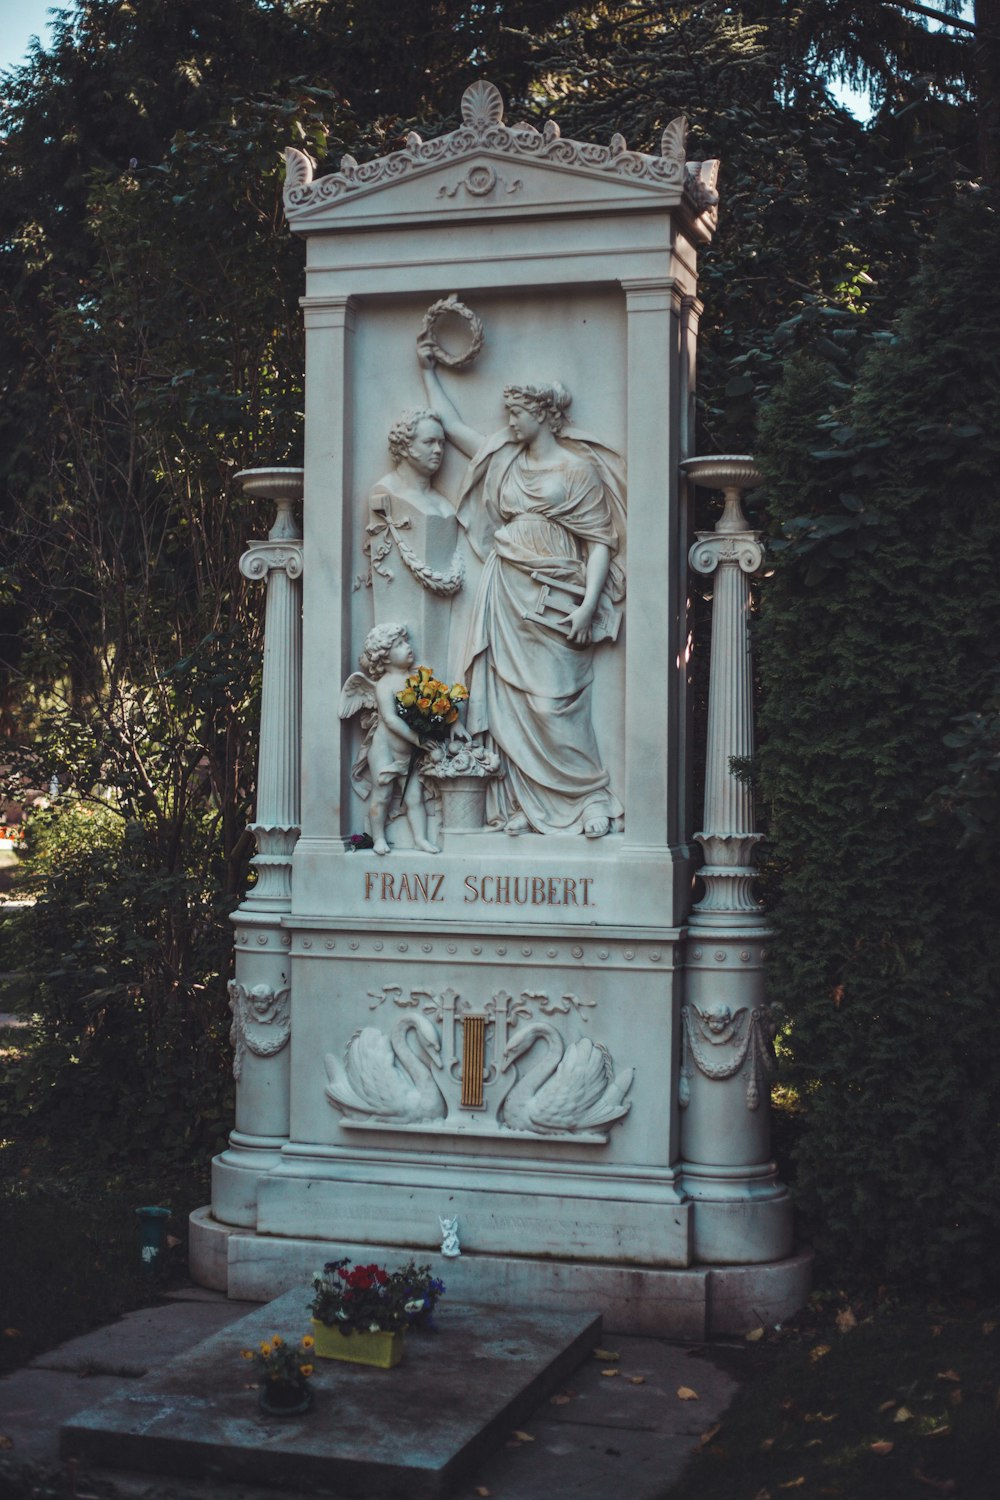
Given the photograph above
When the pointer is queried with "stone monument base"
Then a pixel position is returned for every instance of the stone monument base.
(696, 1302)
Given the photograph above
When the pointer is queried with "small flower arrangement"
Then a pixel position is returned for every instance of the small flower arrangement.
(367, 1299)
(429, 706)
(285, 1368)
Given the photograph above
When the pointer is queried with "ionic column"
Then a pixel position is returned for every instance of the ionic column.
(260, 993)
(742, 1213)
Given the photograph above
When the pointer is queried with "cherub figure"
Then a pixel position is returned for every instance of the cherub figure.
(385, 761)
(449, 1241)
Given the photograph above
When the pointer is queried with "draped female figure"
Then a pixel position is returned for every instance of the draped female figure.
(543, 505)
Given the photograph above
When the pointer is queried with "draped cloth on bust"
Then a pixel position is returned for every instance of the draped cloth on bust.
(529, 687)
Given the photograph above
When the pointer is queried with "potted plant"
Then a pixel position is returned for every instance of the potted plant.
(360, 1313)
(285, 1371)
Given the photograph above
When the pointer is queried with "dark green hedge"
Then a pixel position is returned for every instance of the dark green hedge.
(877, 646)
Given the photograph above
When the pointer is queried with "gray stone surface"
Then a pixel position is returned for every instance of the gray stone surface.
(412, 1432)
(143, 1340)
(610, 1438)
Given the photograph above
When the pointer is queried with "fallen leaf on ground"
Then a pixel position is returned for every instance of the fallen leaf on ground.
(482, 1490)
(818, 1352)
(793, 1484)
(685, 1393)
(943, 1431)
(903, 1415)
(820, 1416)
(989, 1327)
(560, 1400)
(637, 1380)
(846, 1320)
(522, 1437)
(949, 1375)
(813, 1443)
(707, 1437)
(12, 1333)
(766, 1445)
(610, 1374)
(173, 1242)
(764, 1494)
(882, 1448)
(754, 1335)
(606, 1355)
(937, 1329)
(942, 1486)
(955, 1397)
(887, 1406)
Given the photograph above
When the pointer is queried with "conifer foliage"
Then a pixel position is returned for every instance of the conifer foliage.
(877, 650)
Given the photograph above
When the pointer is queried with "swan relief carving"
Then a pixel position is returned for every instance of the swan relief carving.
(383, 1077)
(567, 1089)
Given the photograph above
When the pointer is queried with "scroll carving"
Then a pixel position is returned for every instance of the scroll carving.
(483, 128)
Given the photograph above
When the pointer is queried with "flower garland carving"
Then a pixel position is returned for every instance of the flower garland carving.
(381, 535)
(482, 129)
(733, 1039)
(262, 1021)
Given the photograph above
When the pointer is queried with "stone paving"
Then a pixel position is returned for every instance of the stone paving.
(626, 1434)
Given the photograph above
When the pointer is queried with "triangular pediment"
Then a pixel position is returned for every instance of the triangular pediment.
(495, 166)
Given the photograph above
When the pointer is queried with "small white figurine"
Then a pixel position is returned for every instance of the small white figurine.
(385, 759)
(449, 1244)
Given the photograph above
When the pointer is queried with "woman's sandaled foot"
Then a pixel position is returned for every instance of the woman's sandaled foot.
(517, 823)
(596, 828)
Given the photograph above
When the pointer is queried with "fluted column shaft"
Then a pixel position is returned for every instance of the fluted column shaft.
(277, 822)
(260, 992)
(728, 835)
(742, 1212)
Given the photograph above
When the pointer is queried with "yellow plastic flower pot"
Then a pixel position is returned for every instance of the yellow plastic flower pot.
(383, 1350)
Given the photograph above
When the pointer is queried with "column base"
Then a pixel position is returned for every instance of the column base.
(740, 1215)
(237, 1174)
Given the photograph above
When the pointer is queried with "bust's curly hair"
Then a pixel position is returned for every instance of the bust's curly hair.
(378, 643)
(404, 430)
(549, 403)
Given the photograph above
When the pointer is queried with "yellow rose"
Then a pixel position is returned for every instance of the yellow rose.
(305, 1370)
(307, 1341)
(265, 1349)
(440, 706)
(425, 674)
(277, 1342)
(459, 692)
(423, 704)
(247, 1353)
(408, 698)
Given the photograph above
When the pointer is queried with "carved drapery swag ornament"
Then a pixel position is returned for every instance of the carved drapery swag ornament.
(262, 1021)
(384, 531)
(720, 1043)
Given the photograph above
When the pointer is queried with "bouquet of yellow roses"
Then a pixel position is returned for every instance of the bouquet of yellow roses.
(429, 706)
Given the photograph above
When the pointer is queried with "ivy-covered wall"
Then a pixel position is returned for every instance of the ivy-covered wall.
(878, 645)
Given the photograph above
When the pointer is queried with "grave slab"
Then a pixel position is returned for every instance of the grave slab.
(412, 1432)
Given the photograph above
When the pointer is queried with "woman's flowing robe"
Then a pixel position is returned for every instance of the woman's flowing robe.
(530, 687)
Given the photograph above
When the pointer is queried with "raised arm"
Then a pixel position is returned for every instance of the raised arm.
(466, 439)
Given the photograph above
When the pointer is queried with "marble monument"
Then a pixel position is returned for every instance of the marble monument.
(475, 996)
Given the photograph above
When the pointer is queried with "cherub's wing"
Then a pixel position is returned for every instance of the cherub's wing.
(357, 693)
